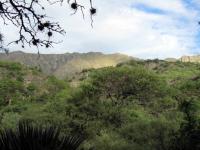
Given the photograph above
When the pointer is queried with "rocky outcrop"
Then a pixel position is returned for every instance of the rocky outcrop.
(195, 59)
(68, 64)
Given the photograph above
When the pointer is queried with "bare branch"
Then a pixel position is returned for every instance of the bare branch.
(23, 15)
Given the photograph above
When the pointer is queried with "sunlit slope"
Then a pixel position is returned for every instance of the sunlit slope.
(62, 65)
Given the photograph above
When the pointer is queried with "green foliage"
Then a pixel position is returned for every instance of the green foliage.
(9, 90)
(110, 141)
(138, 105)
(10, 120)
(125, 83)
(189, 135)
(11, 66)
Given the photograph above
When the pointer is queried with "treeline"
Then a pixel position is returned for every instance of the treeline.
(147, 105)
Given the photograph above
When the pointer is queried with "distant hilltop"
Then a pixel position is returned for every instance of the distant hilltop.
(190, 59)
(194, 59)
(68, 64)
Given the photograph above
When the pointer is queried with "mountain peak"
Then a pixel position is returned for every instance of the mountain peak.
(17, 52)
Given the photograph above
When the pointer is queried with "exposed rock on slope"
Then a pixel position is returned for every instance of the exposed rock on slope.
(190, 59)
(68, 64)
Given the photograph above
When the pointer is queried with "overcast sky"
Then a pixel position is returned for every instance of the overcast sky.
(140, 28)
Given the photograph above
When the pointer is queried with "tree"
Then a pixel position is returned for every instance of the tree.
(8, 90)
(2, 48)
(1, 38)
(189, 134)
(1, 41)
(25, 16)
(122, 84)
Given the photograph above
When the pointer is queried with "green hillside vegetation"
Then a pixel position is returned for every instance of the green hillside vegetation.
(137, 105)
(68, 64)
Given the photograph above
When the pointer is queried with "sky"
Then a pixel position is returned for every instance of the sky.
(141, 28)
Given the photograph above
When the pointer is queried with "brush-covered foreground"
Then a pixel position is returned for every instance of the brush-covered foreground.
(144, 105)
(29, 137)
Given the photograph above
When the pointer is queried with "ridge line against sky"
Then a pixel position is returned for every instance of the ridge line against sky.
(139, 28)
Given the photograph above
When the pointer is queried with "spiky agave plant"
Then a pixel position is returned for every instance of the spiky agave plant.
(29, 137)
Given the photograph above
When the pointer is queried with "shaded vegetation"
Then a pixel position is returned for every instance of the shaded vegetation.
(29, 137)
(138, 105)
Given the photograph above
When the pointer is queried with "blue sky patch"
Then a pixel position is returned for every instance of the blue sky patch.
(148, 9)
(191, 4)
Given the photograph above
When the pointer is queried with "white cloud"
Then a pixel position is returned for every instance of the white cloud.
(118, 27)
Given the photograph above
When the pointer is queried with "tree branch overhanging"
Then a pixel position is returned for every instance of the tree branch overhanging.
(23, 14)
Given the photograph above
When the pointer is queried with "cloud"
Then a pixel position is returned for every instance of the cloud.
(141, 28)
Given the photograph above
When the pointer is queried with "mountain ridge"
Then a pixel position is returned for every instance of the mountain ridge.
(67, 64)
(195, 59)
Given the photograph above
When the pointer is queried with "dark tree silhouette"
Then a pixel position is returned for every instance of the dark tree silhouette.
(29, 137)
(1, 40)
(188, 137)
(2, 48)
(25, 16)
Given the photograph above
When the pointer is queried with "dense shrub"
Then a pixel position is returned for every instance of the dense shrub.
(144, 105)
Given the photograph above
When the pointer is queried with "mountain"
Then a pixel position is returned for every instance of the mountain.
(140, 100)
(68, 64)
(171, 59)
(195, 59)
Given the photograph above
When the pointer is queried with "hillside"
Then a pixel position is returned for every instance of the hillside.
(137, 105)
(71, 64)
(62, 65)
(195, 59)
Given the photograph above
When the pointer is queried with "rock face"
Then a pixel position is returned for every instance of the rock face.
(68, 64)
(195, 59)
